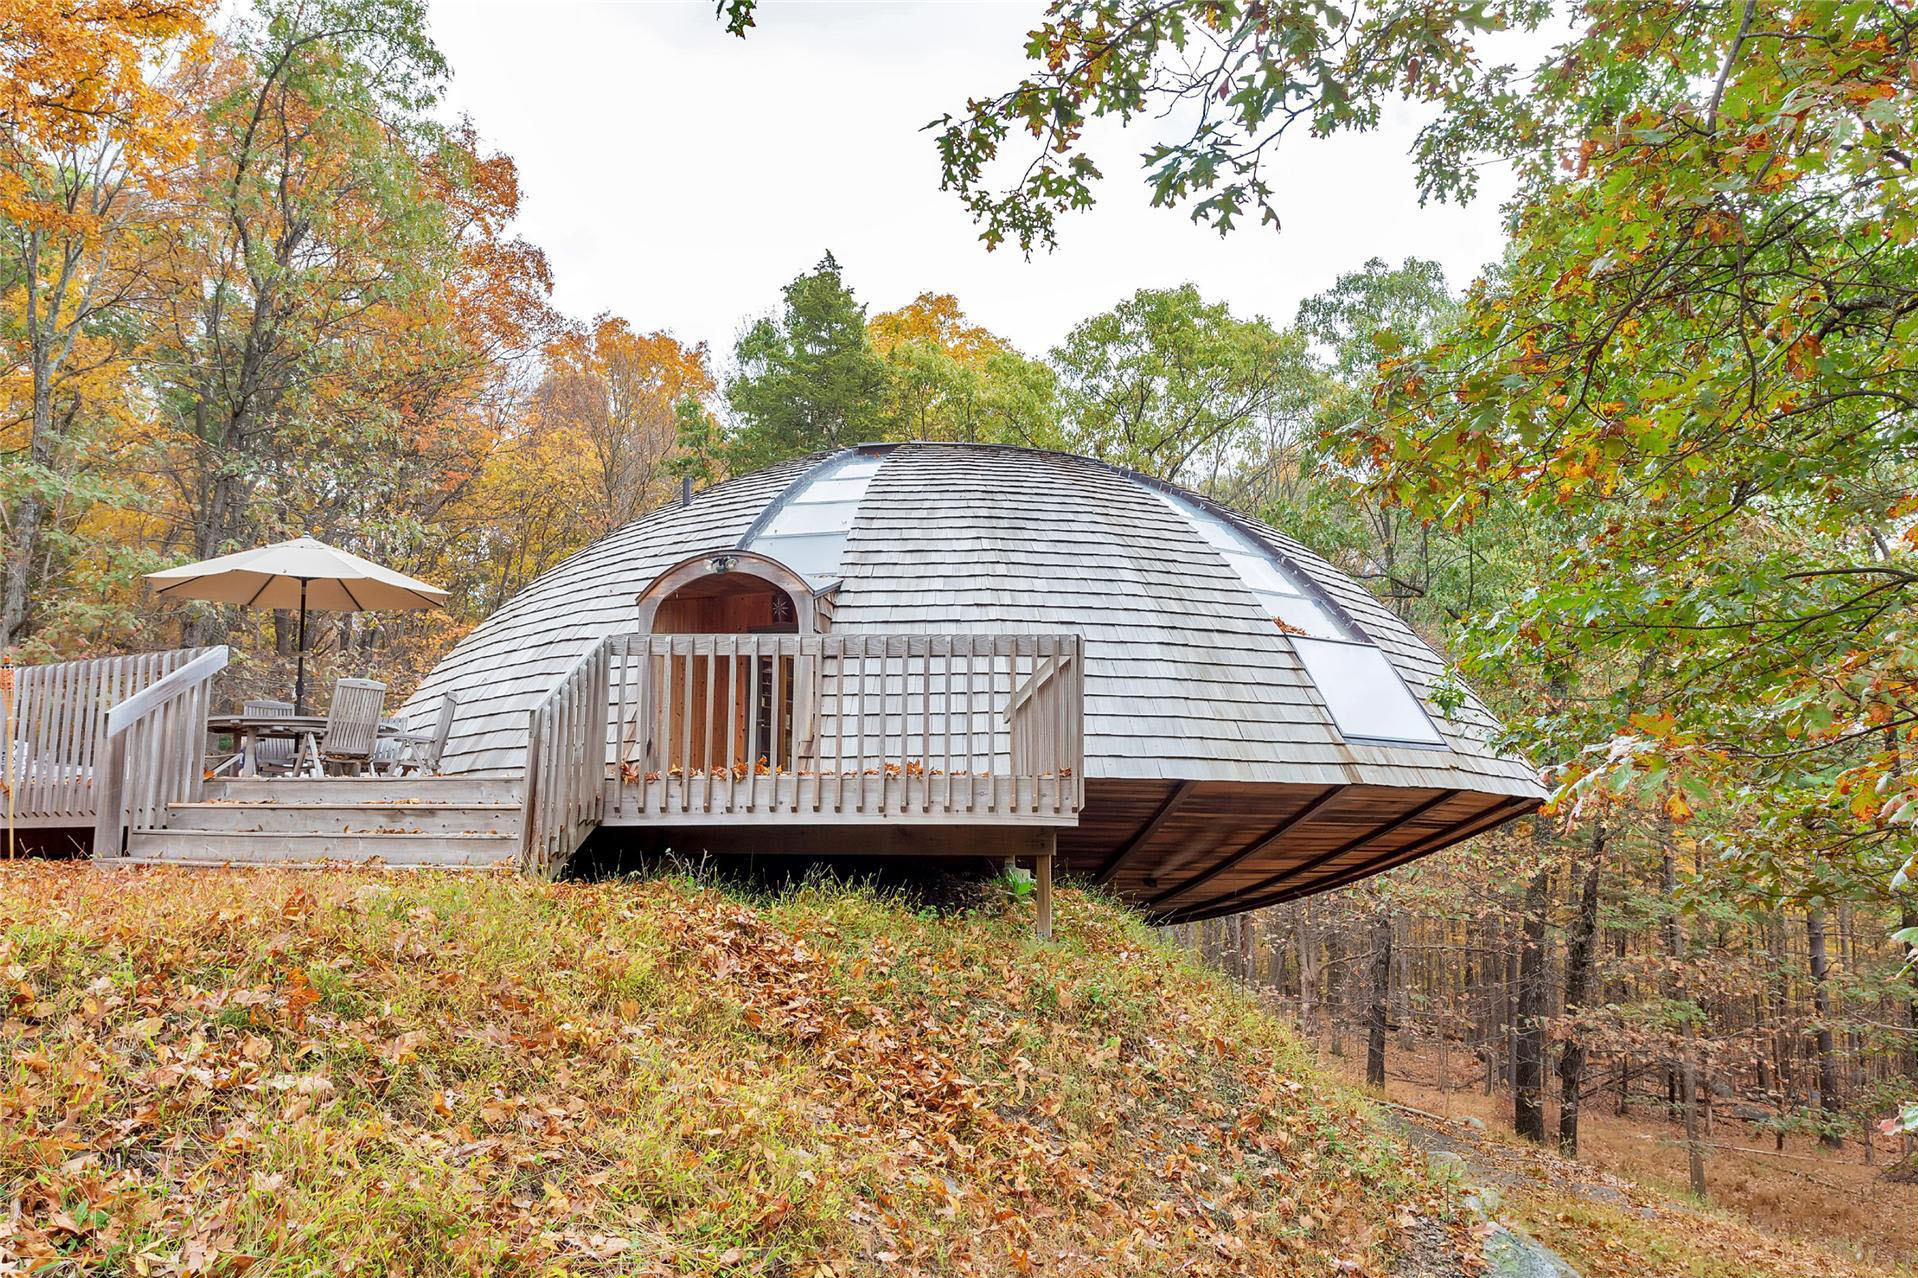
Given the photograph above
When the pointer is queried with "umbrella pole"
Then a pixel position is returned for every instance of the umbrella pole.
(299, 679)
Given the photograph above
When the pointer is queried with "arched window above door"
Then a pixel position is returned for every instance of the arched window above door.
(728, 592)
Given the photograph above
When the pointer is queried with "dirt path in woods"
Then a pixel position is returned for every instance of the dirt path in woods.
(1610, 1224)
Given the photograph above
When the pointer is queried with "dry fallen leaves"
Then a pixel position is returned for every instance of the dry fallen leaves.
(211, 1071)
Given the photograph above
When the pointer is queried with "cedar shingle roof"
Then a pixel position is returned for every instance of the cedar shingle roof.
(1186, 676)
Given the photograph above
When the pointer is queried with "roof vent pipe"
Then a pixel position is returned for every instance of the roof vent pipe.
(685, 490)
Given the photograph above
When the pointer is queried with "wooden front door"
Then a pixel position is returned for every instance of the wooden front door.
(732, 711)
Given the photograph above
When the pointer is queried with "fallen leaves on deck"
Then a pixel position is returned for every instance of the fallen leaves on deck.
(633, 773)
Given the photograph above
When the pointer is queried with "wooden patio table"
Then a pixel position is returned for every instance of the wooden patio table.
(251, 729)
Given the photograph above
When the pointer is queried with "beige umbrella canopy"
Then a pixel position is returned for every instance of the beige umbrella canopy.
(302, 573)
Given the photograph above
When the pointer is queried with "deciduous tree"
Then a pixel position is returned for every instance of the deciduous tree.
(611, 394)
(950, 379)
(89, 145)
(1175, 386)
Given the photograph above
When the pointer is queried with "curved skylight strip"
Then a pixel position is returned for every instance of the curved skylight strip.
(1367, 696)
(1276, 583)
(806, 530)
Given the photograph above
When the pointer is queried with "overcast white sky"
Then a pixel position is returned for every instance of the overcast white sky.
(678, 177)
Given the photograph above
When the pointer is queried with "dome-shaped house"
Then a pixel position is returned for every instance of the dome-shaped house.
(972, 650)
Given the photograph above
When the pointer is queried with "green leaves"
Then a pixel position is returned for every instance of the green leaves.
(1256, 71)
(1695, 344)
(820, 376)
(1165, 378)
(737, 15)
(809, 378)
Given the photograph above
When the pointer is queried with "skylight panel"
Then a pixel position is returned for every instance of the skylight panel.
(1367, 697)
(1210, 526)
(1271, 581)
(842, 488)
(814, 557)
(1260, 573)
(800, 518)
(807, 531)
(1300, 614)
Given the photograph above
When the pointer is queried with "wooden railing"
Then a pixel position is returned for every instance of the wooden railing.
(566, 764)
(781, 729)
(53, 736)
(1047, 715)
(968, 728)
(153, 751)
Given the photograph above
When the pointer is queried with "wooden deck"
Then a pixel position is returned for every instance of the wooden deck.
(716, 730)
(406, 822)
(764, 731)
(902, 745)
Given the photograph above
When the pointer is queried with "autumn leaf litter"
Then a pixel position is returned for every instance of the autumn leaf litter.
(222, 1072)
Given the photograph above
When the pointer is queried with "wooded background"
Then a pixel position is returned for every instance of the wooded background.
(1650, 479)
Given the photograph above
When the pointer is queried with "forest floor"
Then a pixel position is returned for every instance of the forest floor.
(1623, 1207)
(283, 1073)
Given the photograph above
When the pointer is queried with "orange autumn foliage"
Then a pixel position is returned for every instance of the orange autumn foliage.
(935, 318)
(75, 72)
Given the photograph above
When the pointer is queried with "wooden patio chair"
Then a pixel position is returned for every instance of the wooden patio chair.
(391, 746)
(272, 756)
(424, 758)
(352, 728)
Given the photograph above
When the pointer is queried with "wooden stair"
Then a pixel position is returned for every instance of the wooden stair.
(402, 822)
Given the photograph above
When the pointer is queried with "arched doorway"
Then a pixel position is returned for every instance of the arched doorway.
(728, 592)
(751, 705)
(733, 603)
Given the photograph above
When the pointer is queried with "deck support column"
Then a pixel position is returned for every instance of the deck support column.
(1042, 876)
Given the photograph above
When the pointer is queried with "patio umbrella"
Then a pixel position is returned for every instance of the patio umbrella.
(302, 573)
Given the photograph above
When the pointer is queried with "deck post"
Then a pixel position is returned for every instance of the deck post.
(1042, 872)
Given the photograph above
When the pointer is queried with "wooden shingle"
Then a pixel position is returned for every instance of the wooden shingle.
(1187, 678)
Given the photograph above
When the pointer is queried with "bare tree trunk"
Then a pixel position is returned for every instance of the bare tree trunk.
(30, 511)
(1908, 918)
(1492, 1024)
(1308, 947)
(1780, 1005)
(1381, 996)
(1528, 1063)
(1821, 1007)
(1688, 1086)
(1335, 987)
(1624, 1060)
(1578, 980)
(1509, 996)
(1668, 889)
(1780, 1037)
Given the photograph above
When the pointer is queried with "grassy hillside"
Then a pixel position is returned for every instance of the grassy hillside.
(281, 1073)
